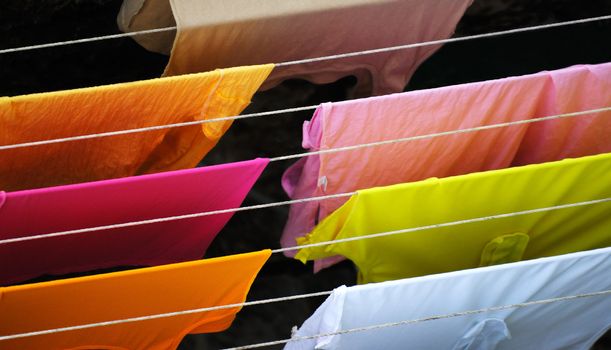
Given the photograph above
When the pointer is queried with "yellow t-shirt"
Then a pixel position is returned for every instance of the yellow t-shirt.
(465, 246)
(52, 115)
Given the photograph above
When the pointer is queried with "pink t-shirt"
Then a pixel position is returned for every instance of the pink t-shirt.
(444, 109)
(85, 205)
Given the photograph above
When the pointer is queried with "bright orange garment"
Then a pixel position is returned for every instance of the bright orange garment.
(132, 105)
(119, 295)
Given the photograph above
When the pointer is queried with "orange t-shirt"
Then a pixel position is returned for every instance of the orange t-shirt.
(60, 114)
(127, 294)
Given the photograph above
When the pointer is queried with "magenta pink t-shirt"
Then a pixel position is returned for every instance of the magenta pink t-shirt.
(61, 208)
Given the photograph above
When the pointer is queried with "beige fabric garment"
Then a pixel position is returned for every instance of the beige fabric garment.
(213, 34)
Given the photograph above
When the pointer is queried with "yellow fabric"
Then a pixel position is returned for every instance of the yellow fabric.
(127, 294)
(474, 195)
(504, 249)
(115, 107)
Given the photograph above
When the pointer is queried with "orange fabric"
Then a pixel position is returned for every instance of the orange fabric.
(134, 293)
(115, 107)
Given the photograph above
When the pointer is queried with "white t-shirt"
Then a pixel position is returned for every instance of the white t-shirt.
(570, 324)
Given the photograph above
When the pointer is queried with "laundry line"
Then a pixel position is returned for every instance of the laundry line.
(164, 315)
(323, 58)
(426, 319)
(171, 218)
(445, 224)
(439, 134)
(302, 296)
(154, 128)
(302, 200)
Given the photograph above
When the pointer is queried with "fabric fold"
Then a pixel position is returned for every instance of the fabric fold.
(485, 335)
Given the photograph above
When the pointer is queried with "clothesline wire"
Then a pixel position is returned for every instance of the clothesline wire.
(154, 128)
(426, 319)
(331, 57)
(443, 41)
(294, 201)
(172, 218)
(439, 134)
(164, 315)
(295, 297)
(445, 224)
(86, 40)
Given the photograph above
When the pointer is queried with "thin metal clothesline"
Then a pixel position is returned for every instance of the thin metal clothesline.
(302, 296)
(303, 200)
(439, 134)
(153, 128)
(323, 58)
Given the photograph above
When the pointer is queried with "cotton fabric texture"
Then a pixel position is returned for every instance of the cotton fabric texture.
(443, 109)
(127, 294)
(568, 325)
(212, 34)
(56, 209)
(116, 107)
(489, 242)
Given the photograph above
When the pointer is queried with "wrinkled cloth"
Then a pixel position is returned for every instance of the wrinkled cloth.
(128, 294)
(119, 107)
(568, 325)
(438, 110)
(212, 34)
(489, 242)
(57, 209)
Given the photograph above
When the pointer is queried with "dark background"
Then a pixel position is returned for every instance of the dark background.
(28, 22)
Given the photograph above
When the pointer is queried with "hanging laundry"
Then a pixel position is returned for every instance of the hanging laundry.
(445, 109)
(128, 294)
(63, 208)
(571, 324)
(119, 107)
(212, 34)
(449, 248)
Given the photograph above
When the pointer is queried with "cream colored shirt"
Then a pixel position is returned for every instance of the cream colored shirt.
(214, 34)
